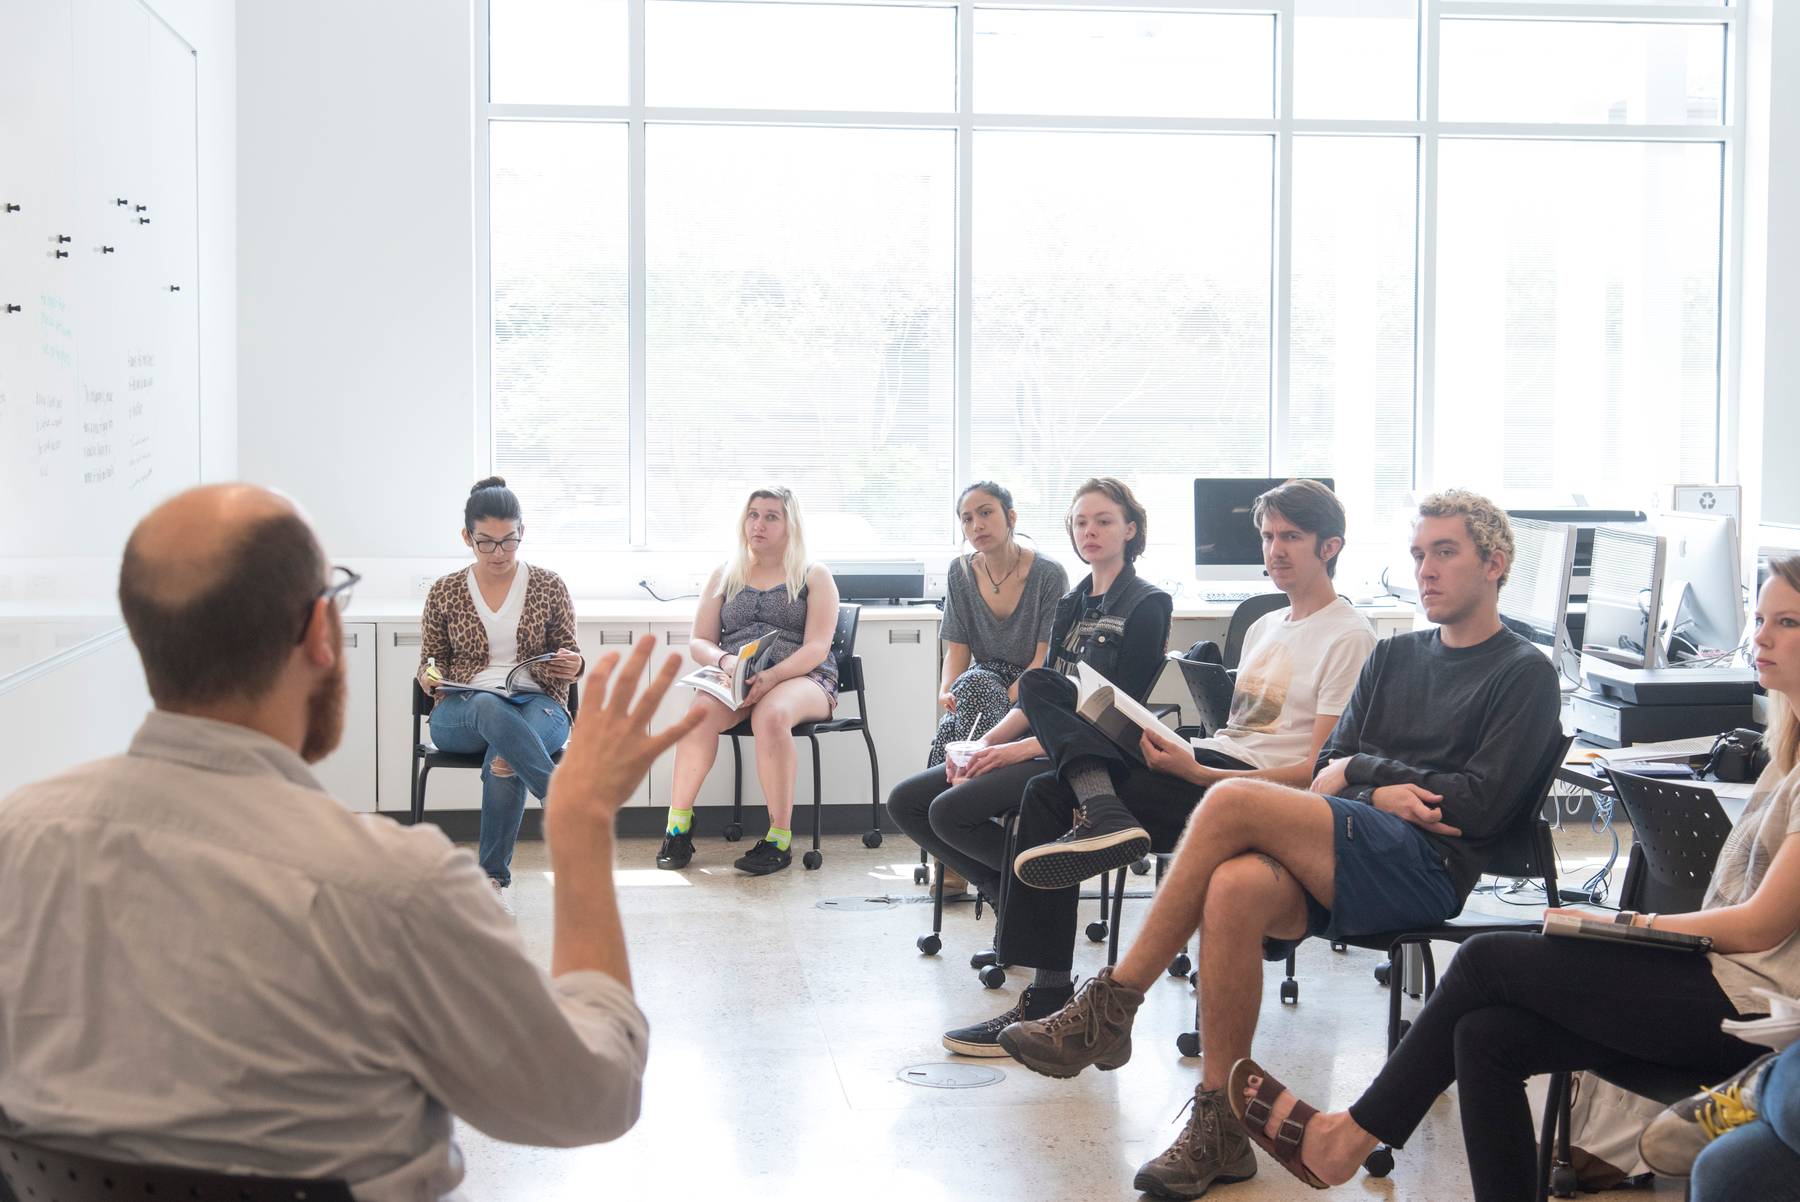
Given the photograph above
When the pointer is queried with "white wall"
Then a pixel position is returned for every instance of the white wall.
(89, 706)
(1771, 343)
(357, 292)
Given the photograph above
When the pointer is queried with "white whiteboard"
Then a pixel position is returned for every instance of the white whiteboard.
(99, 315)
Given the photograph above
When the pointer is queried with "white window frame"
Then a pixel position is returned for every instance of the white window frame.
(1428, 130)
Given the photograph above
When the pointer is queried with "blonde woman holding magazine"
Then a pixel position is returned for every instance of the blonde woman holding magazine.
(769, 593)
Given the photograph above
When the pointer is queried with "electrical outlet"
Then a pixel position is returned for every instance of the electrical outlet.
(422, 585)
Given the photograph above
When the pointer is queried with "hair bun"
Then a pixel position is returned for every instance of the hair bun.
(490, 482)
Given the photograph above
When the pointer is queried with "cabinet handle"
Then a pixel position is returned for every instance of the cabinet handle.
(350, 639)
(403, 639)
(903, 636)
(615, 636)
(672, 637)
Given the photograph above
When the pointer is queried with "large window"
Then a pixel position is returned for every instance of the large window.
(875, 250)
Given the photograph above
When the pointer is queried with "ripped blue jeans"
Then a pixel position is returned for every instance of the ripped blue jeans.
(524, 736)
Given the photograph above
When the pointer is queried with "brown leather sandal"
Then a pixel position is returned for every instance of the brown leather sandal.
(1254, 1114)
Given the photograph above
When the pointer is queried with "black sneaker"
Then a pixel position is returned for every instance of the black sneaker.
(1104, 837)
(763, 859)
(983, 1039)
(677, 850)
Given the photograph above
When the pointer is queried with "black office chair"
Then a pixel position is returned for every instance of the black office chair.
(1677, 833)
(1525, 851)
(426, 756)
(39, 1174)
(1244, 617)
(850, 678)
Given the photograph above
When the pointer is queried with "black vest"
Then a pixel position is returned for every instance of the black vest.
(1102, 647)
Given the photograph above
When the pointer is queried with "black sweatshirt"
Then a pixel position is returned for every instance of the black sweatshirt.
(1477, 725)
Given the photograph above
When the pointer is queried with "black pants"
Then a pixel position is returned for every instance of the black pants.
(958, 823)
(1512, 1006)
(1039, 926)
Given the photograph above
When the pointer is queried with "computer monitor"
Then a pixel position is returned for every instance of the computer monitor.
(1624, 600)
(1227, 544)
(1586, 519)
(1535, 601)
(1703, 590)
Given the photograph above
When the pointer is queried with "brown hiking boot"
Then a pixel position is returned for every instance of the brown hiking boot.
(1211, 1150)
(1094, 1028)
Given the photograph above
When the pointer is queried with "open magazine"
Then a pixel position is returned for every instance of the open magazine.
(1119, 715)
(731, 689)
(1780, 1028)
(518, 694)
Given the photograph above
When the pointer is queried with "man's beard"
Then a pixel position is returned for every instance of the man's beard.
(325, 714)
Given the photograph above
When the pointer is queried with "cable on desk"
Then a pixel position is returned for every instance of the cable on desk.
(645, 585)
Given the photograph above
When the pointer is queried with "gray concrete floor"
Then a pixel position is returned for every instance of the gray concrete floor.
(777, 1031)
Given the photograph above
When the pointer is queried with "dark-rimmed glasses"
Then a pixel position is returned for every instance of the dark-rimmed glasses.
(487, 546)
(337, 592)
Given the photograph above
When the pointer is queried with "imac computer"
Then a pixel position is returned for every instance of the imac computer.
(1624, 600)
(1703, 591)
(1227, 544)
(1535, 601)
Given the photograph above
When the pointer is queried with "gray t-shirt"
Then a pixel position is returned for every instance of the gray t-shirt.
(1770, 816)
(968, 620)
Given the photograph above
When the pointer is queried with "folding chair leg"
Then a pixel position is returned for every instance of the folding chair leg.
(815, 857)
(1118, 909)
(418, 798)
(931, 944)
(873, 838)
(734, 830)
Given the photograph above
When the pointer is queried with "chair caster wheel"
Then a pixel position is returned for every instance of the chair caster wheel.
(1096, 932)
(1180, 966)
(921, 874)
(733, 833)
(993, 976)
(1380, 1162)
(1188, 1043)
(928, 945)
(1290, 992)
(1340, 948)
(984, 959)
(812, 859)
(1563, 1183)
(1141, 867)
(872, 839)
(1383, 971)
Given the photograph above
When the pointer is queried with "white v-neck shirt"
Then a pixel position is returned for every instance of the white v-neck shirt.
(502, 627)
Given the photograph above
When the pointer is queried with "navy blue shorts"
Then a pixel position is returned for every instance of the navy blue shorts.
(1388, 877)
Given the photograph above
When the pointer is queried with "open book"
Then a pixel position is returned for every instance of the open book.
(1119, 715)
(516, 693)
(731, 689)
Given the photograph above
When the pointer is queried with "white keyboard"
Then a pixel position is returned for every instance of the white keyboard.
(1228, 598)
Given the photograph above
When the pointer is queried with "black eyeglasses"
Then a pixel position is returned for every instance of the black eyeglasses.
(337, 592)
(488, 546)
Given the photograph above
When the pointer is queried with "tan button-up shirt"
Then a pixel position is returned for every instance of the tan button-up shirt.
(205, 960)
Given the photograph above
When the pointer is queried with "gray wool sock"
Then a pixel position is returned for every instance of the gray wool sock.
(1052, 978)
(1088, 776)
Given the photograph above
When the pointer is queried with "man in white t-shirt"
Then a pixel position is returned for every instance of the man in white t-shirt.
(1297, 671)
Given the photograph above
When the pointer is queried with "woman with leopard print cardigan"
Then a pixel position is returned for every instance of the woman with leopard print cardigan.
(479, 624)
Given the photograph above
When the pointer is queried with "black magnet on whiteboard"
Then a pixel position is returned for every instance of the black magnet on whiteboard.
(143, 221)
(141, 208)
(64, 238)
(12, 308)
(62, 254)
(106, 250)
(121, 202)
(11, 207)
(174, 287)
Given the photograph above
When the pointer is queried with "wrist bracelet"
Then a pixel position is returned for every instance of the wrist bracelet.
(1649, 921)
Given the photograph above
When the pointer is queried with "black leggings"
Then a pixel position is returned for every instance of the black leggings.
(1512, 1006)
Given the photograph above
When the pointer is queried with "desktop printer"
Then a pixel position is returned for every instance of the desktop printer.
(1619, 706)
